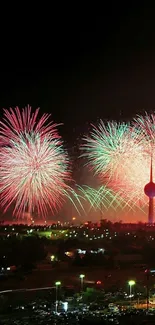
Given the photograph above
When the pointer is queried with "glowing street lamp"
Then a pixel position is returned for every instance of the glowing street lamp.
(131, 283)
(82, 276)
(57, 284)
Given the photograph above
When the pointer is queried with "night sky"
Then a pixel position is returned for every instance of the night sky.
(94, 66)
(81, 67)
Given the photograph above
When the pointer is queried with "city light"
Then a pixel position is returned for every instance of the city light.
(98, 282)
(52, 258)
(65, 306)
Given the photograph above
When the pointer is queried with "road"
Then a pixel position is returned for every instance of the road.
(46, 277)
(25, 290)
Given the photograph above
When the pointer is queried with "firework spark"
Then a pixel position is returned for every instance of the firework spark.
(34, 168)
(146, 125)
(16, 122)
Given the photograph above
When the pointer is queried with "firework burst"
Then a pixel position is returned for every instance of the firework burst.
(119, 154)
(34, 168)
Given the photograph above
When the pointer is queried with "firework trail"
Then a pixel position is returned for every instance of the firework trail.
(103, 198)
(119, 154)
(34, 167)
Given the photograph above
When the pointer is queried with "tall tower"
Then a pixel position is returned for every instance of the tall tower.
(149, 190)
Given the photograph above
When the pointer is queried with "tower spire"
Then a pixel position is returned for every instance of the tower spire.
(149, 190)
(151, 174)
(151, 207)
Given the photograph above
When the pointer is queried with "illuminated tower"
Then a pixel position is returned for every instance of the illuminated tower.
(149, 190)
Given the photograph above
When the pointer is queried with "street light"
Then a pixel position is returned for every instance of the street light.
(82, 276)
(131, 283)
(57, 284)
